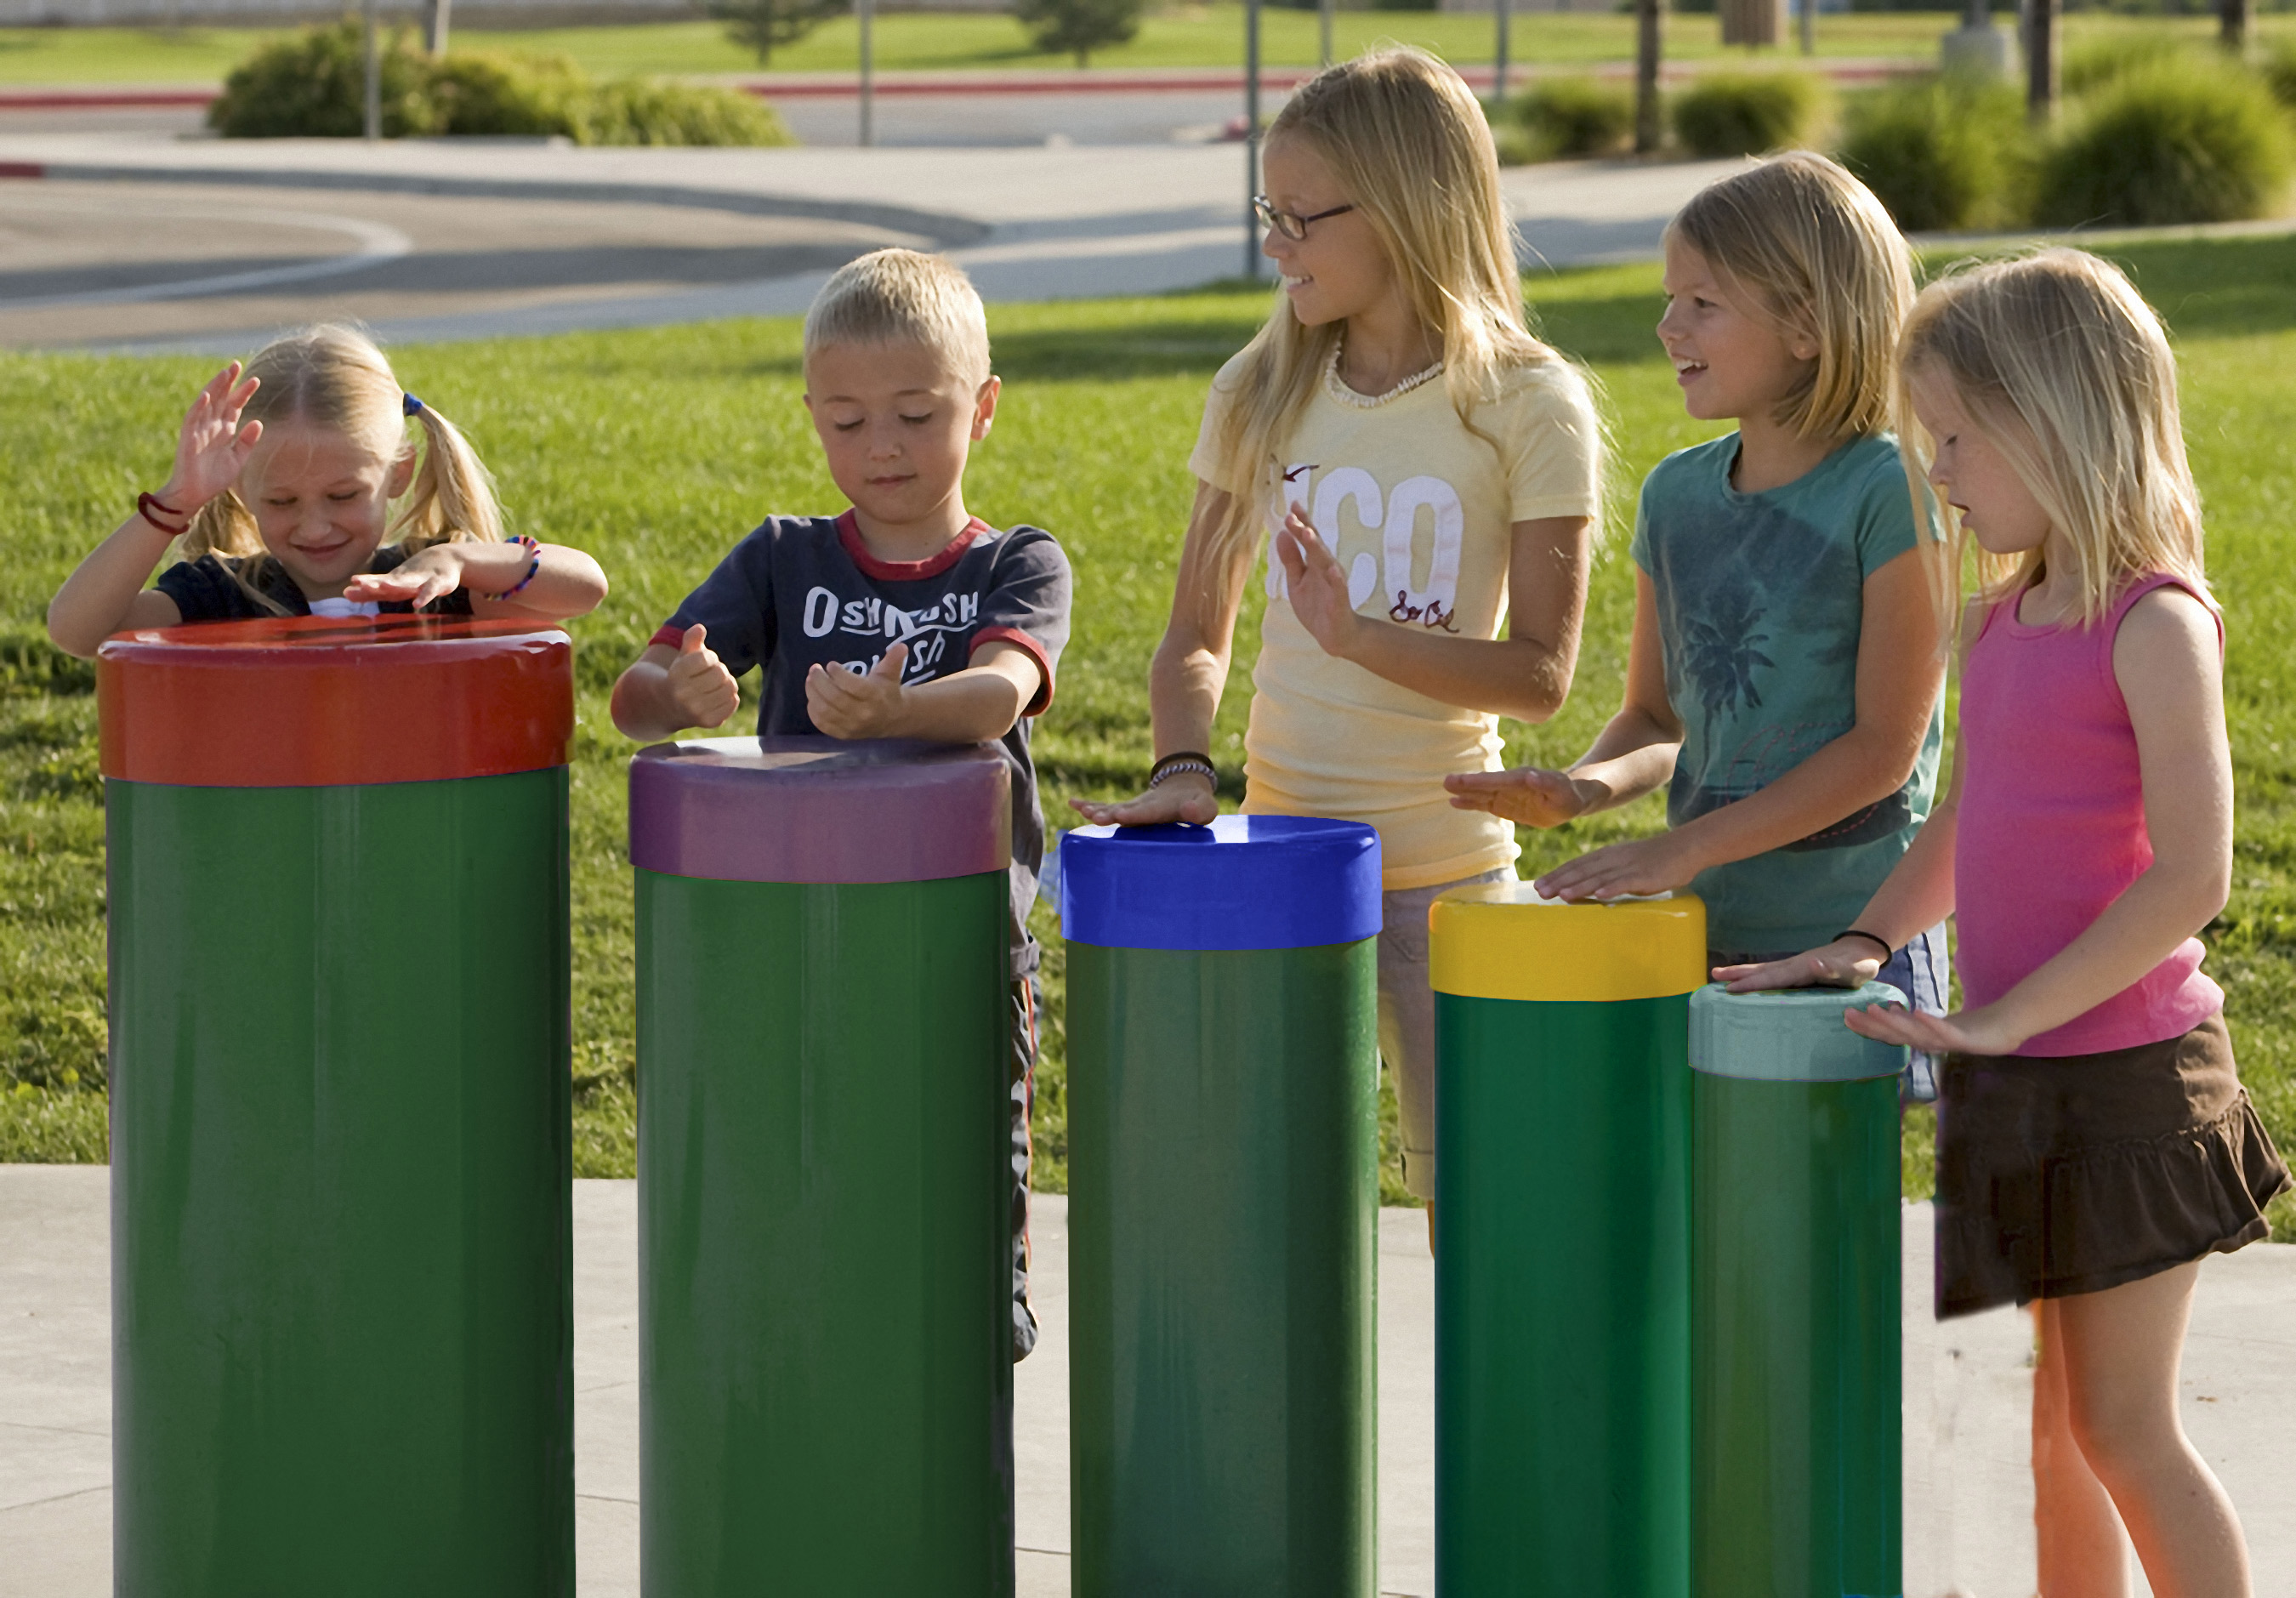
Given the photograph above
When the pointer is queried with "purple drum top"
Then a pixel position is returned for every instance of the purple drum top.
(820, 810)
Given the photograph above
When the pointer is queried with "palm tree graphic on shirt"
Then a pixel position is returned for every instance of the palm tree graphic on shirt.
(1718, 650)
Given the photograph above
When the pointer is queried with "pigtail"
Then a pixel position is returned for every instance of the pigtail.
(452, 496)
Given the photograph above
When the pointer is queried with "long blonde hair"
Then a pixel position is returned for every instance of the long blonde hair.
(1412, 151)
(332, 376)
(1819, 253)
(2058, 358)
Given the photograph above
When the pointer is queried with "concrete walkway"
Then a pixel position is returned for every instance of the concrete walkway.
(1968, 1497)
(1029, 225)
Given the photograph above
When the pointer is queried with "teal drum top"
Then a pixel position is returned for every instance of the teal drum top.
(1790, 1035)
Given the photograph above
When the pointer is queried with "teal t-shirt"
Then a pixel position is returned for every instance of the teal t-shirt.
(1759, 600)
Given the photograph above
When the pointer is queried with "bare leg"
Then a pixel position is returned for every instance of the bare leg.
(1431, 1226)
(2082, 1552)
(2121, 1351)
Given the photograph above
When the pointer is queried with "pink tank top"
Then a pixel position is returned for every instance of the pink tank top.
(2051, 828)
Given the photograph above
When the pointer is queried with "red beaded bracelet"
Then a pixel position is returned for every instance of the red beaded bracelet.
(155, 511)
(532, 566)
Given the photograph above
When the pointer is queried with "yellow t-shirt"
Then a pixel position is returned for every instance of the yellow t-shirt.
(1420, 513)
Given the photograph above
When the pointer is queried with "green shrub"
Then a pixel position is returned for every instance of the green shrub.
(1746, 114)
(313, 85)
(646, 110)
(504, 95)
(1942, 154)
(2183, 141)
(1078, 28)
(2278, 71)
(1570, 116)
(2100, 62)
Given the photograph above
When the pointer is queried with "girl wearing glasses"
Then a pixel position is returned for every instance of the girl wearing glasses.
(1425, 469)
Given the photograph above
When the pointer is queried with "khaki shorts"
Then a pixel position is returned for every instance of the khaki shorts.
(1406, 1020)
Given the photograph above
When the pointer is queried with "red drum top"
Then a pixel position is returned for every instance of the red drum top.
(313, 701)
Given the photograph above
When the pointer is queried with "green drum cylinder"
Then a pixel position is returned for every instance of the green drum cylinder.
(1562, 1311)
(1794, 1286)
(1223, 1193)
(825, 1320)
(342, 1232)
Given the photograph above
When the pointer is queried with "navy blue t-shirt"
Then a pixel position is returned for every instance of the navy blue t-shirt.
(211, 588)
(802, 591)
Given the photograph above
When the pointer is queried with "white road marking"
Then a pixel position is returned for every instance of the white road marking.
(373, 243)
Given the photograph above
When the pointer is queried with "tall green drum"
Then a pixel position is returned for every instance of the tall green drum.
(341, 1301)
(1794, 1279)
(824, 1187)
(1223, 1193)
(1562, 1311)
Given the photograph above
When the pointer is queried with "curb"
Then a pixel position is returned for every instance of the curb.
(945, 230)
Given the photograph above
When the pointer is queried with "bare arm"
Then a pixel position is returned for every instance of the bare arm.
(1899, 672)
(1189, 672)
(1526, 675)
(105, 592)
(2167, 661)
(1633, 754)
(665, 690)
(566, 582)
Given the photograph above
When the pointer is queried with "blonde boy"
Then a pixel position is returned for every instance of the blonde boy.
(904, 616)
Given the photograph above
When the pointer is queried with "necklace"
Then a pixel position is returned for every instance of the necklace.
(1338, 388)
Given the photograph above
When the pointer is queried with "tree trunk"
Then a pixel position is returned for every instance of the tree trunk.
(2233, 20)
(1649, 18)
(2040, 60)
(1754, 22)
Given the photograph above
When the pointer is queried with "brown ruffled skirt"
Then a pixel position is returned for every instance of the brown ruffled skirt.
(2073, 1174)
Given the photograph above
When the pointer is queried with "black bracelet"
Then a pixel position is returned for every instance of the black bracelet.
(1875, 938)
(1183, 760)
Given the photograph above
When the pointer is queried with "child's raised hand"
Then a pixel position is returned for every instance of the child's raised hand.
(703, 690)
(857, 704)
(428, 574)
(1530, 794)
(1648, 865)
(1845, 962)
(1316, 584)
(213, 445)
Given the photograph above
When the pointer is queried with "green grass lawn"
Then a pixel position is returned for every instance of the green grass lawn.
(655, 450)
(1193, 35)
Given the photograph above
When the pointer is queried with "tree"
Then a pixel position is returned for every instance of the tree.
(1078, 26)
(764, 25)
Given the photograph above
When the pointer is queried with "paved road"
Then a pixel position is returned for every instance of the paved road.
(1968, 1495)
(506, 239)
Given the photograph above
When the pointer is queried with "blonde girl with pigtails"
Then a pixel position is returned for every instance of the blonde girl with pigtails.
(1427, 473)
(287, 474)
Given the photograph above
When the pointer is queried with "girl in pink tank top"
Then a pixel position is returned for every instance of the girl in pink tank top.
(2094, 1142)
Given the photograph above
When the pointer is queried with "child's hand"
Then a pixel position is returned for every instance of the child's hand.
(1185, 796)
(213, 446)
(856, 704)
(426, 575)
(700, 688)
(1648, 865)
(1530, 794)
(1845, 962)
(1964, 1032)
(1317, 586)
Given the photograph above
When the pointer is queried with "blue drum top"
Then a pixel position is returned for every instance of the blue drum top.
(1244, 882)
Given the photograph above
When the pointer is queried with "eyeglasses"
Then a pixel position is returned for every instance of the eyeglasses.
(1292, 225)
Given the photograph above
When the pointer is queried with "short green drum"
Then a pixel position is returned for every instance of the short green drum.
(1223, 1193)
(1561, 1231)
(1796, 1430)
(826, 1274)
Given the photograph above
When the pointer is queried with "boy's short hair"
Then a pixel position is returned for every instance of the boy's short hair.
(904, 297)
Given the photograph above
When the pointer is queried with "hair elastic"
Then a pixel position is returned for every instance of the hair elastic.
(411, 406)
(162, 515)
(1875, 938)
